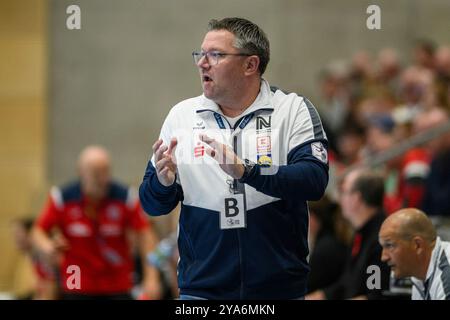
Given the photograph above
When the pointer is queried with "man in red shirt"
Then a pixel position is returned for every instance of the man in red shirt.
(97, 218)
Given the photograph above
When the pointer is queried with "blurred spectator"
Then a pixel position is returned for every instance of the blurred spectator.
(328, 239)
(404, 175)
(393, 104)
(389, 69)
(442, 63)
(361, 66)
(361, 76)
(423, 54)
(437, 186)
(377, 103)
(414, 83)
(427, 120)
(362, 206)
(333, 106)
(94, 216)
(442, 70)
(350, 144)
(380, 133)
(334, 96)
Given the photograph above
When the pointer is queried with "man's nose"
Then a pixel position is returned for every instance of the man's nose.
(203, 63)
(384, 256)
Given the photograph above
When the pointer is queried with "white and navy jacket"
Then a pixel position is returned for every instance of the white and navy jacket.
(437, 283)
(283, 134)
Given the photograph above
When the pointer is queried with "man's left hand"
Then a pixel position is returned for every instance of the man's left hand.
(225, 156)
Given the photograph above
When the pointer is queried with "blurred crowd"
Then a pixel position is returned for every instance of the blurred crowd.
(369, 106)
(375, 108)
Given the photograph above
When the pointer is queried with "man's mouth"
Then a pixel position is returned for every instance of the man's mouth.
(206, 78)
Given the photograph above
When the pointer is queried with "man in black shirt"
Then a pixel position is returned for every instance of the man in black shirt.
(362, 201)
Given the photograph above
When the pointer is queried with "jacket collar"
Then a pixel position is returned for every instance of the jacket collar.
(435, 254)
(434, 258)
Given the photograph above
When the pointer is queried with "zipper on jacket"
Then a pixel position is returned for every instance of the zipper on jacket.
(240, 124)
(238, 231)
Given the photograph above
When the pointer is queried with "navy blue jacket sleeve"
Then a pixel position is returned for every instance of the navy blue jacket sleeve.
(304, 177)
(157, 199)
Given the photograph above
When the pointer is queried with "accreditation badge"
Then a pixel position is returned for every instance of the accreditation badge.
(264, 141)
(233, 214)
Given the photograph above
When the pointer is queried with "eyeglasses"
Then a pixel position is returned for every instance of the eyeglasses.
(213, 56)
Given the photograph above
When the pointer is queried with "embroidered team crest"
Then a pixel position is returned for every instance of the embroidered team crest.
(319, 151)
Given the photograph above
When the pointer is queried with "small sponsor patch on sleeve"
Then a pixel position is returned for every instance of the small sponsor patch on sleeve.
(319, 151)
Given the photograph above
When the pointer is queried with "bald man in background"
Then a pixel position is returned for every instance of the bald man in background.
(412, 249)
(96, 219)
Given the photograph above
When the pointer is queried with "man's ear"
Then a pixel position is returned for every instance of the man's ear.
(419, 244)
(251, 65)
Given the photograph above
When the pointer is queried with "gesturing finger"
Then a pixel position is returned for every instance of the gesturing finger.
(156, 145)
(210, 141)
(222, 153)
(159, 154)
(172, 145)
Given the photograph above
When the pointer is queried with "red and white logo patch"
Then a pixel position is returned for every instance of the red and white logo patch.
(199, 151)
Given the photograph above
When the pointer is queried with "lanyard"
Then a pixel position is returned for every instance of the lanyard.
(219, 120)
(242, 121)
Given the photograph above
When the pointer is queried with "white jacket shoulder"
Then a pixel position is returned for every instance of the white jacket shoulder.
(190, 104)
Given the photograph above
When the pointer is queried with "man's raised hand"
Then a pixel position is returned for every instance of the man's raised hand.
(165, 163)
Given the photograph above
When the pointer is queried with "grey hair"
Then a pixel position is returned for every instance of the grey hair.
(250, 38)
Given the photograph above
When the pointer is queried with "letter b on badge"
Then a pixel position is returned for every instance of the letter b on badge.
(233, 213)
(231, 208)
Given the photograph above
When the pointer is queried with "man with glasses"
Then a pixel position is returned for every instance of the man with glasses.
(243, 158)
(361, 202)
